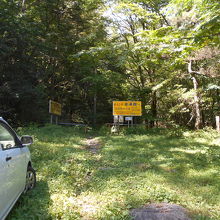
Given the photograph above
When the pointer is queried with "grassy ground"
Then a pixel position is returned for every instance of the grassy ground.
(128, 171)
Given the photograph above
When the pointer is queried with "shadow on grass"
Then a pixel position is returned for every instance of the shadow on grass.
(61, 164)
(182, 164)
(126, 163)
(29, 206)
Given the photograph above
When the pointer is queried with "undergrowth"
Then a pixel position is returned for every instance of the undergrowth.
(130, 170)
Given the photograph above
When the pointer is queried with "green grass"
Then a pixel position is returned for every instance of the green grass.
(129, 171)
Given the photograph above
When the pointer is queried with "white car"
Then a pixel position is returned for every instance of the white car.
(16, 172)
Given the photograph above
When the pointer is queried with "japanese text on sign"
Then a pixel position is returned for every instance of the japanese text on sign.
(55, 108)
(127, 108)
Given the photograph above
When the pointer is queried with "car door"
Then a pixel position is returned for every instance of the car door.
(3, 183)
(13, 156)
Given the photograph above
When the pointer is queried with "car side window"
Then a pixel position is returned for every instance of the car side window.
(6, 139)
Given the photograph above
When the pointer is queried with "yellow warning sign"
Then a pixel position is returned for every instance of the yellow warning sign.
(55, 108)
(127, 108)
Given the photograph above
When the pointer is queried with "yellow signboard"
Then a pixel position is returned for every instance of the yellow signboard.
(55, 108)
(127, 108)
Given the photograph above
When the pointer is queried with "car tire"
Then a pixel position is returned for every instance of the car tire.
(30, 179)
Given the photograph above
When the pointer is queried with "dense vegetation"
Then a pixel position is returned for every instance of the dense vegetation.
(85, 54)
(126, 171)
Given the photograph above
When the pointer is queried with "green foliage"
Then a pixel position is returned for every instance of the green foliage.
(21, 96)
(142, 130)
(69, 52)
(37, 43)
(135, 130)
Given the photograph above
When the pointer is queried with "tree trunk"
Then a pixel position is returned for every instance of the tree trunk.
(198, 121)
(143, 104)
(198, 117)
(153, 109)
(95, 104)
(23, 6)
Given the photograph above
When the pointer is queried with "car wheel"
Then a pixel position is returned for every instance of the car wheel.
(30, 179)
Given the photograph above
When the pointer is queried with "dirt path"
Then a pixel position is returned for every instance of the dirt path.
(93, 145)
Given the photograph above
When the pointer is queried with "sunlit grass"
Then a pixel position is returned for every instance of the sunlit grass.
(128, 171)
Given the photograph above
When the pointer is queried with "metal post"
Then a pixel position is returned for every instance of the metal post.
(51, 119)
(118, 122)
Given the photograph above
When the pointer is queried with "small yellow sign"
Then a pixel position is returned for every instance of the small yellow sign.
(55, 108)
(127, 108)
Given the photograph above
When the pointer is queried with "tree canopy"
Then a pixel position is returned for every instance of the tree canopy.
(85, 54)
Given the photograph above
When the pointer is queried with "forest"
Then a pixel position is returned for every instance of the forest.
(85, 54)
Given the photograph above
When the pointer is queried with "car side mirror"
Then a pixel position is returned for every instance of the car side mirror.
(26, 140)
